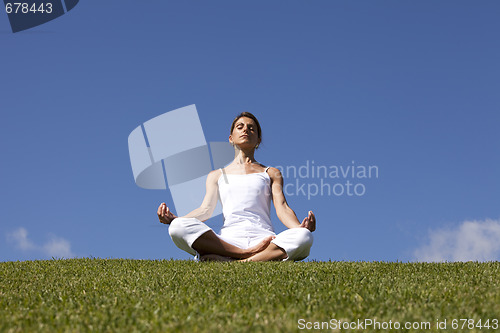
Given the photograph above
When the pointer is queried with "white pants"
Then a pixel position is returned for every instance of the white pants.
(296, 241)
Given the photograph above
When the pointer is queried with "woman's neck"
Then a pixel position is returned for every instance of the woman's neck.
(242, 157)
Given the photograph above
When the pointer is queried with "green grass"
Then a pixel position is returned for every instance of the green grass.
(103, 295)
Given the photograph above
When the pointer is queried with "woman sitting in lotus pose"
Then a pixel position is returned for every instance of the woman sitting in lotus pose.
(245, 188)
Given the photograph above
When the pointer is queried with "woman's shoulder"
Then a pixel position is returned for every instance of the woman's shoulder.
(213, 176)
(273, 172)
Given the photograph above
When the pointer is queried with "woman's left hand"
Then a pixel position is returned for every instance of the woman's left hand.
(309, 222)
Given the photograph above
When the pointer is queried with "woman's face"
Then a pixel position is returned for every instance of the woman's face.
(245, 133)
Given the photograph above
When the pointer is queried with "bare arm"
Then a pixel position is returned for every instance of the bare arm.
(206, 209)
(283, 211)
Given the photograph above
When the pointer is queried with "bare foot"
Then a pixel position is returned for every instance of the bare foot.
(215, 257)
(259, 247)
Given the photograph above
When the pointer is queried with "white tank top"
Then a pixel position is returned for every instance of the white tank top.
(246, 201)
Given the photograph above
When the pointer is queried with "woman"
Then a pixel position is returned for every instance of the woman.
(245, 188)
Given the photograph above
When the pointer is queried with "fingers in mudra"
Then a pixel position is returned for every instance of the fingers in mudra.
(164, 213)
(312, 220)
(309, 221)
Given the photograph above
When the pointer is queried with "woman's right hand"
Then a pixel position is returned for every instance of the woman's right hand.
(165, 215)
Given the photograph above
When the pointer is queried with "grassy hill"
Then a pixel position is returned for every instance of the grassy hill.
(104, 295)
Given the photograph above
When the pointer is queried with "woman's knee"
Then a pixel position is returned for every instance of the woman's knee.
(304, 237)
(186, 229)
(296, 242)
(174, 227)
(303, 240)
(177, 228)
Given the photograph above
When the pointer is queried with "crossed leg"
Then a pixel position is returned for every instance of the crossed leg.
(208, 245)
(271, 253)
(191, 235)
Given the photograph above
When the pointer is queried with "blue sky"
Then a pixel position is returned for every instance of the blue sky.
(409, 87)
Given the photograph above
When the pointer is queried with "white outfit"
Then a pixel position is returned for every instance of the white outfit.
(246, 206)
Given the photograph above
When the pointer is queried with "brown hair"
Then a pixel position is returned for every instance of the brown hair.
(248, 115)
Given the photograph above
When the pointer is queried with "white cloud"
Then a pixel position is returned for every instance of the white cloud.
(58, 247)
(471, 240)
(55, 247)
(20, 237)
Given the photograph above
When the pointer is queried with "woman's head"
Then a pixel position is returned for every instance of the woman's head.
(246, 123)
